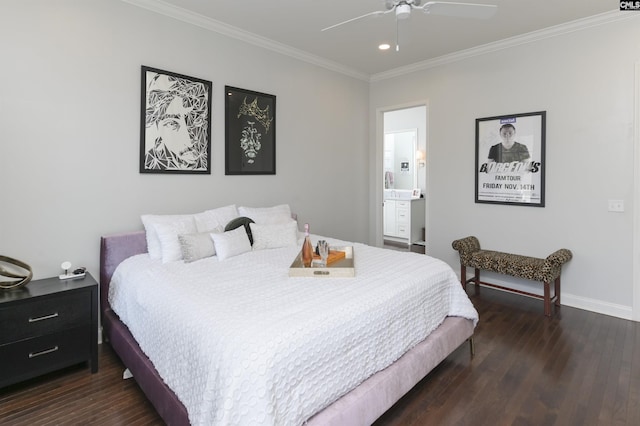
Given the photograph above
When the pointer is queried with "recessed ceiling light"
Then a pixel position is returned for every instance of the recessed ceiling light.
(384, 46)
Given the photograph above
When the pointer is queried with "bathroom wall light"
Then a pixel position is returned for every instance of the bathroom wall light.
(420, 158)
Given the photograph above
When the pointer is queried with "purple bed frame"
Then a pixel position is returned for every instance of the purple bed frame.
(361, 406)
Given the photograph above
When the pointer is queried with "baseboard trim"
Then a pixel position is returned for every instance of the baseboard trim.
(395, 243)
(598, 306)
(566, 299)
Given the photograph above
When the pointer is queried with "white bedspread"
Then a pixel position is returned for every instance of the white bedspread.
(242, 343)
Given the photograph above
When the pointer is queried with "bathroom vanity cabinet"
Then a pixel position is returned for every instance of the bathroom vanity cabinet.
(404, 220)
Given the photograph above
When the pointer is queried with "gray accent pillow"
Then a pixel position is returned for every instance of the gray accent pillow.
(197, 246)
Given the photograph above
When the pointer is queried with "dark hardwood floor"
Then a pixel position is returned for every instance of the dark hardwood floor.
(578, 368)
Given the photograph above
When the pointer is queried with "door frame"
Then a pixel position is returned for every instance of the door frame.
(379, 165)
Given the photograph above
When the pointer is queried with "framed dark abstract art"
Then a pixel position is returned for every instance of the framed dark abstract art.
(250, 132)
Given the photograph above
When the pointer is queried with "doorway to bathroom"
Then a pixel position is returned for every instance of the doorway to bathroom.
(404, 171)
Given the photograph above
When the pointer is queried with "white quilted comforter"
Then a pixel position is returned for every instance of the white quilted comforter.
(242, 343)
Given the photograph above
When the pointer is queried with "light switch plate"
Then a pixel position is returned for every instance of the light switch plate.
(616, 205)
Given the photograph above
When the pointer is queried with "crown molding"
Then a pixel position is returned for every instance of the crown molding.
(569, 27)
(184, 15)
(163, 8)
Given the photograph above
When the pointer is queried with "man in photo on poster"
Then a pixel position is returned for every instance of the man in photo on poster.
(508, 150)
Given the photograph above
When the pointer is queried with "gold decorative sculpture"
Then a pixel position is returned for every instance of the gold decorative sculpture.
(17, 279)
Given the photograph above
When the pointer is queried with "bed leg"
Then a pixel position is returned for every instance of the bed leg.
(472, 348)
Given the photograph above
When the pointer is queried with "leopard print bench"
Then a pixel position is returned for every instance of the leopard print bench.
(531, 268)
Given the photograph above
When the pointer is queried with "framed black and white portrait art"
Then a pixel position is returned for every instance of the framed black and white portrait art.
(250, 132)
(175, 129)
(510, 159)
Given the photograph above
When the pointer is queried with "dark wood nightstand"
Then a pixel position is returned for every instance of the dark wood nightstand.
(47, 325)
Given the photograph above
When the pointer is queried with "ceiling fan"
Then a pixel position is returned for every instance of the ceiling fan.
(403, 8)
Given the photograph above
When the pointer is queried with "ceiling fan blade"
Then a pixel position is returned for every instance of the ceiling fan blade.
(378, 12)
(460, 10)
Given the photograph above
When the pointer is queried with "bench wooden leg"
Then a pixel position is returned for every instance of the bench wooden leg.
(476, 280)
(557, 290)
(463, 277)
(547, 300)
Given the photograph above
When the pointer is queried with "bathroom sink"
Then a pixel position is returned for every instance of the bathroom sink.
(397, 194)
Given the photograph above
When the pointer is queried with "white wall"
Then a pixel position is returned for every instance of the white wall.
(70, 111)
(584, 80)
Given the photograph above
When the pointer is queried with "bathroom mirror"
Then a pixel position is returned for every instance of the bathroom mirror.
(399, 159)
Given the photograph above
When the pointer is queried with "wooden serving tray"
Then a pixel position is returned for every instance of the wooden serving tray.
(341, 265)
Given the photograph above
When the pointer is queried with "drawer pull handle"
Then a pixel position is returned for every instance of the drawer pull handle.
(46, 351)
(46, 317)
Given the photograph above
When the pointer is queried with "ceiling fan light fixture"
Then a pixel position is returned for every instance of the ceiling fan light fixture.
(403, 11)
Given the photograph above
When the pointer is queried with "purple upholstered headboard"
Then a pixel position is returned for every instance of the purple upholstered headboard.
(113, 250)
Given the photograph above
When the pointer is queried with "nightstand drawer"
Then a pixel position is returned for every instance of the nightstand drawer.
(32, 357)
(45, 316)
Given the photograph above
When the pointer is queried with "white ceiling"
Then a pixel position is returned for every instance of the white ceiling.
(294, 27)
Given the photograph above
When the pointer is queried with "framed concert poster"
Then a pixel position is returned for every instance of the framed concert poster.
(250, 132)
(510, 159)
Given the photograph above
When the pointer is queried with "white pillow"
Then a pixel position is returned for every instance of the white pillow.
(274, 236)
(212, 219)
(231, 243)
(267, 215)
(197, 246)
(168, 235)
(153, 242)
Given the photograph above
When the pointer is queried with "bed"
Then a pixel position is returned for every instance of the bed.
(363, 399)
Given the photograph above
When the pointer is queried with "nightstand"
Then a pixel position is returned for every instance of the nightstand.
(47, 325)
